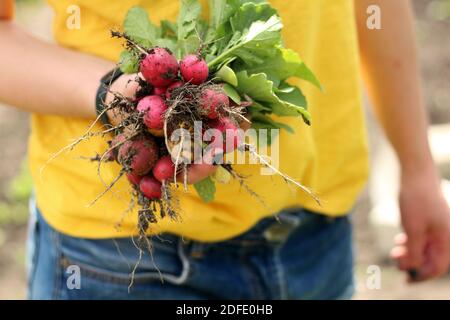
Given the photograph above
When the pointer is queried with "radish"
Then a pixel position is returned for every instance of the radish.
(170, 88)
(159, 91)
(229, 130)
(150, 187)
(154, 108)
(212, 101)
(138, 156)
(164, 169)
(159, 67)
(134, 178)
(194, 69)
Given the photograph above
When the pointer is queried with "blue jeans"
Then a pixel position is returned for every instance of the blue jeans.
(302, 256)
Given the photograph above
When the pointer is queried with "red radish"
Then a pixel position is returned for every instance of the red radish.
(170, 88)
(159, 91)
(138, 156)
(164, 169)
(194, 69)
(212, 100)
(229, 130)
(134, 178)
(159, 67)
(150, 187)
(154, 108)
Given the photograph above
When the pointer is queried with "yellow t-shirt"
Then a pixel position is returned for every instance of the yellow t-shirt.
(330, 157)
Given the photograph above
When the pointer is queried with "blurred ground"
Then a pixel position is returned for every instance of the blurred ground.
(433, 30)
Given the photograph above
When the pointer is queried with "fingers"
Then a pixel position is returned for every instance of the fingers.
(409, 255)
(400, 253)
(434, 261)
(400, 239)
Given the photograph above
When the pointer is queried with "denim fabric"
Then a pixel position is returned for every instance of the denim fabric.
(300, 255)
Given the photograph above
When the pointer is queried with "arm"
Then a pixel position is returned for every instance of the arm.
(391, 72)
(44, 78)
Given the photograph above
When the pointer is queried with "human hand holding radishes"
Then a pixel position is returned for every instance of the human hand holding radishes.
(424, 249)
(160, 70)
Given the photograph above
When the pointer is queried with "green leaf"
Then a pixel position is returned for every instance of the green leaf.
(263, 121)
(260, 37)
(303, 72)
(129, 62)
(170, 44)
(168, 29)
(227, 75)
(232, 93)
(285, 63)
(206, 189)
(138, 27)
(188, 46)
(295, 101)
(258, 107)
(250, 12)
(261, 90)
(294, 96)
(257, 87)
(187, 18)
(220, 31)
(221, 10)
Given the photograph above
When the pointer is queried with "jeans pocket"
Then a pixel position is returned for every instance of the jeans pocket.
(118, 262)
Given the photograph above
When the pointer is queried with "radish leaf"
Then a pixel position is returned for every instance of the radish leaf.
(129, 62)
(206, 189)
(139, 28)
(188, 18)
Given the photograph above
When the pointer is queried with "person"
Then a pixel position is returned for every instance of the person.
(233, 247)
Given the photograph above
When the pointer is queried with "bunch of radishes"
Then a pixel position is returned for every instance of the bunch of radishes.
(145, 158)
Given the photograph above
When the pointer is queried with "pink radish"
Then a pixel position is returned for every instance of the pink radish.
(154, 108)
(134, 178)
(159, 67)
(159, 91)
(229, 130)
(194, 69)
(138, 156)
(150, 187)
(164, 169)
(212, 101)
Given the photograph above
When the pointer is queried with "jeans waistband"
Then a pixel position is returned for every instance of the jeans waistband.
(277, 228)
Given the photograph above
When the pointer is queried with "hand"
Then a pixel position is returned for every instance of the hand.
(126, 85)
(424, 249)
